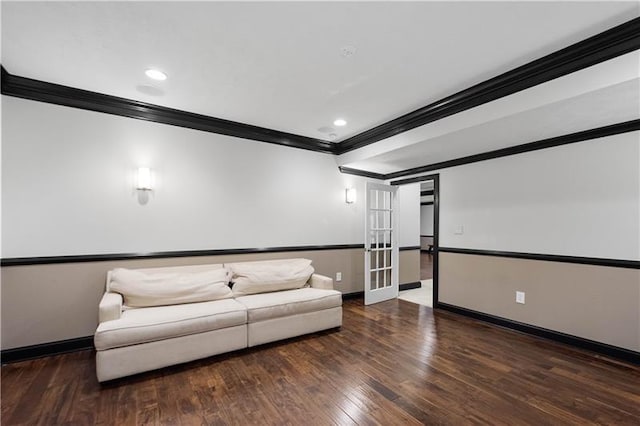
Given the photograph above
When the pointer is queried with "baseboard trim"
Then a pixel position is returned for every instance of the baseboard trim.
(410, 286)
(356, 295)
(401, 287)
(46, 349)
(568, 339)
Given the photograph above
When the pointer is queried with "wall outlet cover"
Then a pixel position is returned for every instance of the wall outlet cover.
(338, 276)
(520, 297)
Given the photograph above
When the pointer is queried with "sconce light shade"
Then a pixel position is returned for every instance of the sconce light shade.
(144, 179)
(350, 195)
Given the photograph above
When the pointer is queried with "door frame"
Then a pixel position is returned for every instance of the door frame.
(436, 224)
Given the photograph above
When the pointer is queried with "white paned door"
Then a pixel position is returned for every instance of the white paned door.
(380, 243)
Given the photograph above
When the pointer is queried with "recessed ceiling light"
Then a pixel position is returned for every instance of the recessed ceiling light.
(340, 122)
(155, 74)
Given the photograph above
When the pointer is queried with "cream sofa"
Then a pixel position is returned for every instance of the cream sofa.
(156, 317)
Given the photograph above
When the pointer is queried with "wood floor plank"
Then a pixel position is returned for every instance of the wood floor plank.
(23, 373)
(127, 406)
(107, 406)
(32, 401)
(390, 363)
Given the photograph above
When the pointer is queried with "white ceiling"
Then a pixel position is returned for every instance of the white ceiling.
(279, 65)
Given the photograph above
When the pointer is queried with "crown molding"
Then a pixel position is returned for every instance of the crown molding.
(609, 44)
(42, 91)
(364, 173)
(600, 132)
(27, 88)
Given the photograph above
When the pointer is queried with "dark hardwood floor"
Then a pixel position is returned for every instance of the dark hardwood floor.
(391, 363)
(426, 266)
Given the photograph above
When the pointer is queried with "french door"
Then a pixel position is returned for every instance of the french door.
(381, 243)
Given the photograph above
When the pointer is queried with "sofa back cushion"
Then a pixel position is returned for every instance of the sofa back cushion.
(269, 275)
(144, 288)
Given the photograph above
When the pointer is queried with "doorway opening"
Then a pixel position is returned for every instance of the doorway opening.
(427, 293)
(426, 230)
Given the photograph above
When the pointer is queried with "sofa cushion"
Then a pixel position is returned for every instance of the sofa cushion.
(265, 306)
(269, 275)
(142, 325)
(142, 288)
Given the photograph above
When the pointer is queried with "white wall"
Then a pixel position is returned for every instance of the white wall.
(426, 220)
(67, 188)
(579, 200)
(409, 215)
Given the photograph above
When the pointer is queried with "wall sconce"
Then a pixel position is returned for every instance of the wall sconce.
(350, 195)
(143, 181)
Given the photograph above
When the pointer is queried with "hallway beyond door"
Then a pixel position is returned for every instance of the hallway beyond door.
(426, 265)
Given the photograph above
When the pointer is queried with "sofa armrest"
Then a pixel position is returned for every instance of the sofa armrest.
(320, 281)
(110, 307)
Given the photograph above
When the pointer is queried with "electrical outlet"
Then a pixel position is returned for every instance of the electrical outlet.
(338, 276)
(459, 230)
(520, 297)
